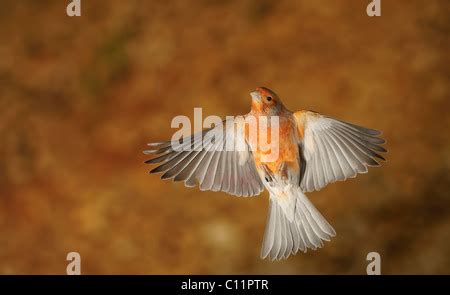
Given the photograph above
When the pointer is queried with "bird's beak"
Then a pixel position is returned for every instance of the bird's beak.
(255, 96)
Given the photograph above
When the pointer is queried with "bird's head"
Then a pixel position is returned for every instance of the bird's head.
(266, 101)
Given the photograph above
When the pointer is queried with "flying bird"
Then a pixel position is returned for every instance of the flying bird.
(313, 151)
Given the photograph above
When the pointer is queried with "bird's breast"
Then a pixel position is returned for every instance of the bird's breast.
(282, 142)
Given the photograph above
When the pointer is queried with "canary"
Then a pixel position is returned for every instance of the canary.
(312, 150)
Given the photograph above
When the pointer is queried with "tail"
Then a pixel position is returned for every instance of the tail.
(285, 236)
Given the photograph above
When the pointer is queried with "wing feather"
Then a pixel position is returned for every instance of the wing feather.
(334, 150)
(207, 162)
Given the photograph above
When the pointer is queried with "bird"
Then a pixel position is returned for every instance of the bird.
(313, 150)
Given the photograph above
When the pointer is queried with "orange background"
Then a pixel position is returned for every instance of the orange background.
(80, 97)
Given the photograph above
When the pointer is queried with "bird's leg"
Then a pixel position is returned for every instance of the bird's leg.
(268, 174)
(282, 170)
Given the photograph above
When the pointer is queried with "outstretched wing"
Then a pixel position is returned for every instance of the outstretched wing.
(207, 159)
(334, 150)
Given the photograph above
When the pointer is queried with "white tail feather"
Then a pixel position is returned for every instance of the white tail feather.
(285, 235)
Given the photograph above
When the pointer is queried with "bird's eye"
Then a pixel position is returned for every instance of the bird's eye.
(269, 98)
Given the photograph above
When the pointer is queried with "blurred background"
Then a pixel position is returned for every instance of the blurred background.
(81, 96)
